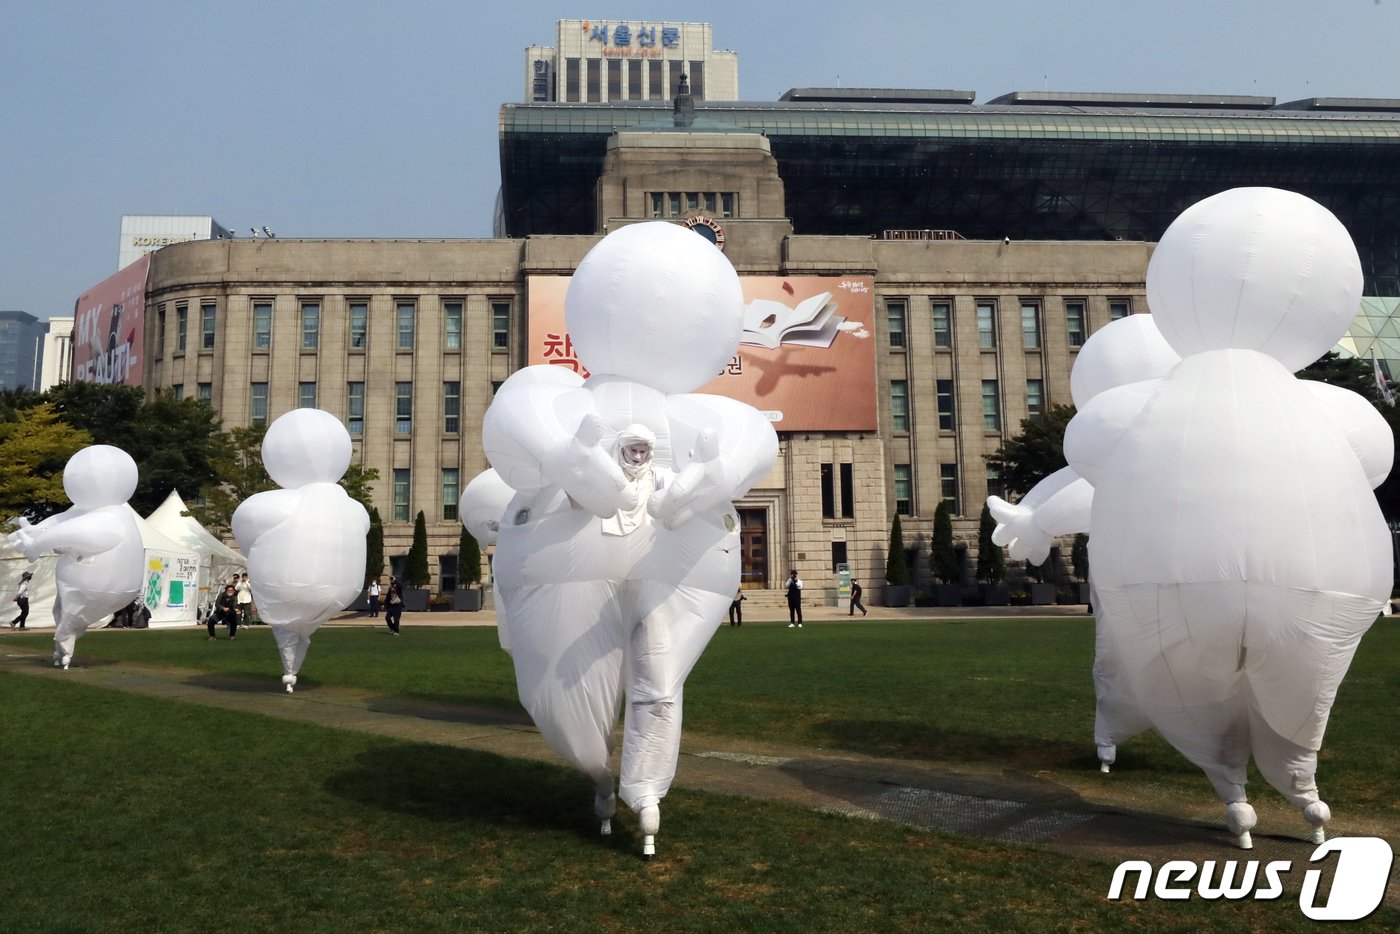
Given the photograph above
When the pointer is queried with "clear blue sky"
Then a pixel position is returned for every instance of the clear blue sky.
(360, 119)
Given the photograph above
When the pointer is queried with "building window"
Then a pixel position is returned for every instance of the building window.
(903, 490)
(995, 486)
(991, 406)
(359, 325)
(656, 203)
(675, 203)
(848, 492)
(942, 324)
(571, 70)
(726, 204)
(828, 491)
(1030, 326)
(1035, 397)
(306, 395)
(656, 83)
(178, 391)
(206, 392)
(947, 413)
(160, 330)
(262, 325)
(450, 493)
(674, 69)
(403, 408)
(697, 79)
(986, 326)
(182, 325)
(447, 573)
(838, 556)
(614, 79)
(257, 412)
(355, 409)
(404, 315)
(310, 325)
(451, 407)
(948, 486)
(400, 494)
(207, 314)
(895, 312)
(500, 325)
(452, 325)
(1119, 308)
(899, 405)
(1074, 323)
(595, 80)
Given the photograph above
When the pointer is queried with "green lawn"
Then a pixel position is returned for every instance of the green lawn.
(1007, 693)
(128, 813)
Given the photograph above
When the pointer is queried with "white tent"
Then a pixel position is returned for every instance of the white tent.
(170, 587)
(42, 591)
(217, 561)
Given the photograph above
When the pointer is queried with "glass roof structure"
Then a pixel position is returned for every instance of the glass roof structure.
(1078, 169)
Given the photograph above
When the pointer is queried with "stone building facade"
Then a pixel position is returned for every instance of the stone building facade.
(406, 340)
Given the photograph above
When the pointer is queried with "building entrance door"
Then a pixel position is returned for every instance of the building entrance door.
(753, 549)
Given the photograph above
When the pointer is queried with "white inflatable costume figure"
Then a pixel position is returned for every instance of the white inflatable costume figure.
(305, 542)
(1127, 352)
(618, 556)
(1238, 551)
(100, 570)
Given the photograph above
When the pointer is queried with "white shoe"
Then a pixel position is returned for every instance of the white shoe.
(650, 819)
(66, 660)
(604, 806)
(799, 625)
(790, 625)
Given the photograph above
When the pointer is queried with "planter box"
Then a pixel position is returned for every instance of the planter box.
(439, 607)
(896, 594)
(1042, 594)
(994, 595)
(415, 599)
(947, 595)
(466, 600)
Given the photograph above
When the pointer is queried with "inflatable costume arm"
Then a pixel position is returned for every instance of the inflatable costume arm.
(260, 513)
(1365, 428)
(1058, 505)
(88, 533)
(1093, 435)
(730, 447)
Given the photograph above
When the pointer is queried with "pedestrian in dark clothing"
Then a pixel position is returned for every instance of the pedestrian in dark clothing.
(393, 605)
(736, 609)
(21, 600)
(794, 598)
(856, 591)
(226, 612)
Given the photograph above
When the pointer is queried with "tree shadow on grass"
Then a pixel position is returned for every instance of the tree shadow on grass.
(450, 785)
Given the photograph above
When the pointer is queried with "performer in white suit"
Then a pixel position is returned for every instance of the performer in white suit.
(617, 557)
(305, 542)
(100, 570)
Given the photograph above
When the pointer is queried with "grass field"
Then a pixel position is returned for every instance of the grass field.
(128, 813)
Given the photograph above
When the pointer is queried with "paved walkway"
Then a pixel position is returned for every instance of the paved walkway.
(1083, 813)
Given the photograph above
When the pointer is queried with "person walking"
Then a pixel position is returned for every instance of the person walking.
(373, 594)
(856, 591)
(393, 605)
(736, 609)
(245, 599)
(21, 599)
(794, 600)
